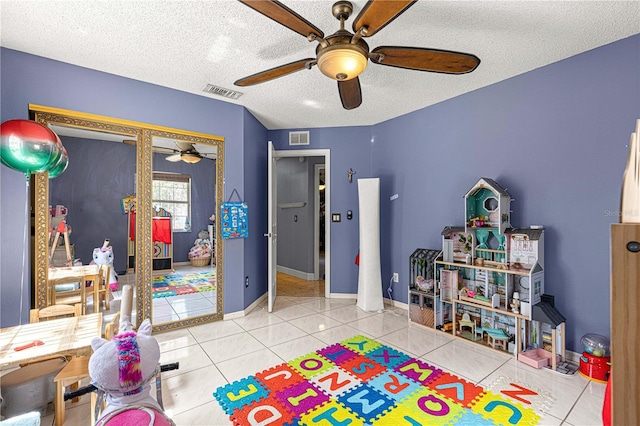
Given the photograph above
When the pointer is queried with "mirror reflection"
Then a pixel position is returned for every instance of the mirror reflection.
(146, 192)
(88, 197)
(184, 201)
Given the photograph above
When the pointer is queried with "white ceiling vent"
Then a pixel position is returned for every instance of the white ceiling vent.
(221, 91)
(299, 138)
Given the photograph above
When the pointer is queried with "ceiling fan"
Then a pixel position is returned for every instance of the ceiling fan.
(187, 153)
(342, 56)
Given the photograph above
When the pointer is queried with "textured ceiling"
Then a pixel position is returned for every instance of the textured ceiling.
(186, 45)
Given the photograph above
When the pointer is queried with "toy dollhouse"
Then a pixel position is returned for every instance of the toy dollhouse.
(490, 275)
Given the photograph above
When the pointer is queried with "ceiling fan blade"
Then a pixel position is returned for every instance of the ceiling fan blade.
(185, 146)
(375, 15)
(421, 59)
(350, 93)
(280, 13)
(174, 158)
(276, 72)
(164, 150)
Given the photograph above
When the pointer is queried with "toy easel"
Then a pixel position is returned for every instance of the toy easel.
(62, 229)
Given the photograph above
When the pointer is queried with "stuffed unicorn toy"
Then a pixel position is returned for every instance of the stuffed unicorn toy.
(122, 370)
(104, 256)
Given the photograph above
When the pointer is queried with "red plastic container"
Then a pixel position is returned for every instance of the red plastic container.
(596, 368)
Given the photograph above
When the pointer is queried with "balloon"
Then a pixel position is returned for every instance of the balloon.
(28, 147)
(61, 166)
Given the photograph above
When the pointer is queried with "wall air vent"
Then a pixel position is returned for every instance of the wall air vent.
(299, 138)
(221, 91)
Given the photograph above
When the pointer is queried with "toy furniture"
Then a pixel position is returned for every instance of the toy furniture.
(60, 337)
(29, 388)
(497, 338)
(103, 288)
(55, 311)
(68, 290)
(162, 239)
(423, 298)
(491, 269)
(77, 369)
(466, 322)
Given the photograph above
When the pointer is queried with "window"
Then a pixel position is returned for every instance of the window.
(172, 191)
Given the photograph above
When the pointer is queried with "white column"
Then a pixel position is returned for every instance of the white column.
(369, 277)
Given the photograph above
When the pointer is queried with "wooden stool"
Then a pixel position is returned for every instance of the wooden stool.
(76, 370)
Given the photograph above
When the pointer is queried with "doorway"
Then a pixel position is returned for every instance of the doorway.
(314, 282)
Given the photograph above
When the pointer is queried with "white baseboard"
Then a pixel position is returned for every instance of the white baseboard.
(343, 296)
(245, 312)
(396, 303)
(307, 276)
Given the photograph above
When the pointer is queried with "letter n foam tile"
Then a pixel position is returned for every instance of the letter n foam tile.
(336, 381)
(503, 411)
(455, 388)
(236, 395)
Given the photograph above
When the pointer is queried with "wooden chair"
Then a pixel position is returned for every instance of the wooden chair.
(112, 327)
(55, 311)
(68, 291)
(103, 288)
(76, 370)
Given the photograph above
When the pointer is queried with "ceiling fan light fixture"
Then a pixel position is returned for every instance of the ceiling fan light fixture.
(190, 158)
(342, 62)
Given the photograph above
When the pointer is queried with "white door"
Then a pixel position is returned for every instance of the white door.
(272, 229)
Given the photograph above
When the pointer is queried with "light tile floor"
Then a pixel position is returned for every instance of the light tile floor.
(212, 355)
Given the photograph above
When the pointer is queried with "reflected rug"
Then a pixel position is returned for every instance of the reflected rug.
(360, 381)
(178, 284)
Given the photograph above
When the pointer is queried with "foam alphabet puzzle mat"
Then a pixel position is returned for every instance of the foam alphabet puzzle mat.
(360, 381)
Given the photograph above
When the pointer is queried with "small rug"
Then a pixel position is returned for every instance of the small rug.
(178, 284)
(360, 381)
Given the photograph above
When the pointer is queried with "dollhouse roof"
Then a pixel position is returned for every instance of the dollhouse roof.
(488, 183)
(533, 234)
(547, 313)
(449, 229)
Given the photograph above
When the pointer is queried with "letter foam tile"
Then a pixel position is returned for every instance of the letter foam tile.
(540, 400)
(360, 382)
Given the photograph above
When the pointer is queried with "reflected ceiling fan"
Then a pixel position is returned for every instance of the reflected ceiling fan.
(342, 56)
(187, 153)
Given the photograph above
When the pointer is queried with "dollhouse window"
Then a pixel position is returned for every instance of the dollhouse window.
(490, 204)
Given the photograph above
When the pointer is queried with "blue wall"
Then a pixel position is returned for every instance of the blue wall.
(29, 79)
(554, 137)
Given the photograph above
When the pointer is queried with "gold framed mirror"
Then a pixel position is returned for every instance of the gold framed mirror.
(143, 136)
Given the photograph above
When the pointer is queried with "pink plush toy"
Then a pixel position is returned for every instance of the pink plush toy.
(122, 369)
(104, 256)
